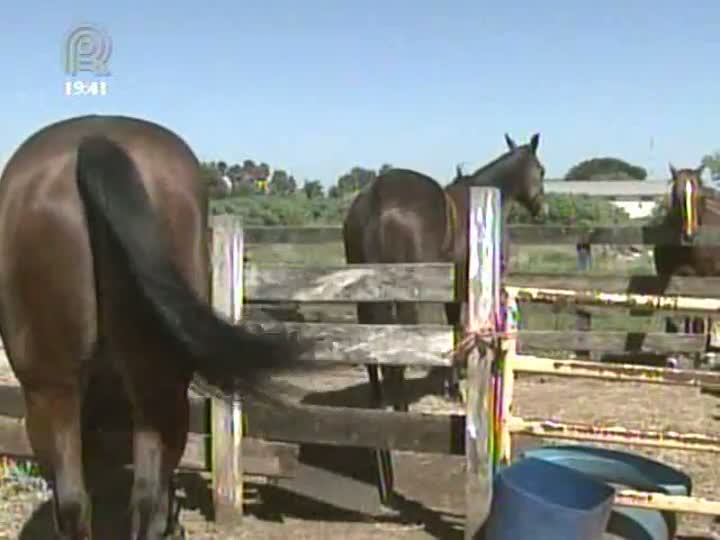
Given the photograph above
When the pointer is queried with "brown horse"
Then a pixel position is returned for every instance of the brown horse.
(691, 205)
(104, 306)
(405, 216)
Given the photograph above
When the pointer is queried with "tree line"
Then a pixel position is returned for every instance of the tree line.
(267, 196)
(250, 178)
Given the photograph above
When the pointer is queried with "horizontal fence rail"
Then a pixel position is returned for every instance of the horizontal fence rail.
(640, 301)
(411, 344)
(614, 434)
(616, 235)
(609, 341)
(614, 284)
(521, 234)
(431, 344)
(616, 372)
(425, 282)
(670, 503)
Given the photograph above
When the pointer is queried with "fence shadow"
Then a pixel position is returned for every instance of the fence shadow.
(339, 483)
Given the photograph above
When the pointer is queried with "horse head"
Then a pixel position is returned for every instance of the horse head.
(685, 197)
(525, 184)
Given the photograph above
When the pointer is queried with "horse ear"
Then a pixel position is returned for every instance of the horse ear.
(534, 141)
(673, 171)
(511, 144)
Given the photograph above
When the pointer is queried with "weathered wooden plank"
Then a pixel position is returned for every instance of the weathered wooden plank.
(292, 235)
(703, 287)
(226, 418)
(618, 235)
(610, 342)
(552, 429)
(426, 282)
(268, 459)
(368, 428)
(616, 372)
(14, 442)
(409, 344)
(484, 313)
(669, 503)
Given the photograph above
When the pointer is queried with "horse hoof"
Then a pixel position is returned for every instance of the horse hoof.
(178, 533)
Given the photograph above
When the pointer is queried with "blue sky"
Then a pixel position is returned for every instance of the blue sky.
(319, 86)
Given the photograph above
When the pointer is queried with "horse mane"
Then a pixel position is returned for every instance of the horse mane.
(493, 172)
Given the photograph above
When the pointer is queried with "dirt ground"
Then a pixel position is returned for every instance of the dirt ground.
(431, 487)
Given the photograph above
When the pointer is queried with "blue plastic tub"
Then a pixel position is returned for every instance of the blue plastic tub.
(535, 499)
(624, 469)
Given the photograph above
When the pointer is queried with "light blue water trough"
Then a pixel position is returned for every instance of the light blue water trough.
(559, 492)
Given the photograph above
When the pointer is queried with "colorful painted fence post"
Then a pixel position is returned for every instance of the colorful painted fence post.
(484, 316)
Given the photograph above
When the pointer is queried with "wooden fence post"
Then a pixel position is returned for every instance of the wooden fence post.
(583, 318)
(226, 418)
(483, 316)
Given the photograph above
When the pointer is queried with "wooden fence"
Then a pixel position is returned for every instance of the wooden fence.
(689, 295)
(649, 292)
(652, 293)
(268, 447)
(219, 448)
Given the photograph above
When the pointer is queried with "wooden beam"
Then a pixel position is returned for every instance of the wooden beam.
(422, 282)
(702, 287)
(293, 235)
(367, 428)
(409, 344)
(617, 235)
(551, 429)
(610, 342)
(519, 234)
(484, 278)
(616, 372)
(268, 459)
(226, 418)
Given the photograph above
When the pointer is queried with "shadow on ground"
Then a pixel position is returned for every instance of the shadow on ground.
(339, 483)
(332, 484)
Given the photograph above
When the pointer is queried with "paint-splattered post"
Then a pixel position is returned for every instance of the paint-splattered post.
(484, 317)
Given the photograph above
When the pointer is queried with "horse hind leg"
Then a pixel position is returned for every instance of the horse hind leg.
(407, 313)
(376, 313)
(152, 500)
(379, 313)
(54, 429)
(161, 418)
(450, 376)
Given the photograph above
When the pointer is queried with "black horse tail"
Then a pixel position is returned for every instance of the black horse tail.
(225, 356)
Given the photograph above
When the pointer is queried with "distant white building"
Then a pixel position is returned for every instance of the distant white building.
(637, 197)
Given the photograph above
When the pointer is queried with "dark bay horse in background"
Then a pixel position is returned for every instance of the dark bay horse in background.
(407, 217)
(104, 307)
(691, 205)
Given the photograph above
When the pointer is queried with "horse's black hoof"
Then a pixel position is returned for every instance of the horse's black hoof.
(178, 534)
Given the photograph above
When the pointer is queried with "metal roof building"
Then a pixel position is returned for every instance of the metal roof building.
(619, 190)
